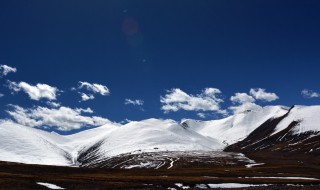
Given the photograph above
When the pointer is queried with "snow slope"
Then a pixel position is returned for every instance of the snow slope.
(82, 141)
(308, 117)
(237, 127)
(27, 145)
(154, 135)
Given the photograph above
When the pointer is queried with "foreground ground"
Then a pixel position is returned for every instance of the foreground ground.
(277, 172)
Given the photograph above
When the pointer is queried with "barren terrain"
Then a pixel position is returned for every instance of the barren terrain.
(178, 171)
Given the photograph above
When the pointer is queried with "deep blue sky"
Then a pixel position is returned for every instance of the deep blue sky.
(227, 44)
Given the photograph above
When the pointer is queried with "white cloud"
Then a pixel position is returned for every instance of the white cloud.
(81, 110)
(53, 104)
(86, 97)
(202, 115)
(261, 94)
(5, 69)
(247, 106)
(37, 92)
(310, 94)
(176, 99)
(211, 91)
(125, 121)
(1, 95)
(244, 102)
(134, 102)
(242, 98)
(95, 88)
(91, 88)
(63, 118)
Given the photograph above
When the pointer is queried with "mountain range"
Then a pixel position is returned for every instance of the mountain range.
(268, 130)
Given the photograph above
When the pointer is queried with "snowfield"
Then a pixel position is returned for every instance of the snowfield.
(33, 146)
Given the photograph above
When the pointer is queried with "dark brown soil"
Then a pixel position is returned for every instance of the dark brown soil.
(23, 176)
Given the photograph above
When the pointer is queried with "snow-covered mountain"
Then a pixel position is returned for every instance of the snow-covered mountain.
(298, 131)
(27, 145)
(151, 135)
(260, 129)
(236, 127)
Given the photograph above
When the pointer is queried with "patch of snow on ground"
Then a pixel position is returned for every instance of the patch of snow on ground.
(201, 186)
(182, 186)
(233, 185)
(252, 165)
(303, 178)
(49, 185)
(141, 165)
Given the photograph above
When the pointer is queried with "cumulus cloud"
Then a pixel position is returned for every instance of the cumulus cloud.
(242, 98)
(261, 94)
(91, 88)
(86, 97)
(125, 121)
(1, 95)
(37, 92)
(95, 88)
(133, 102)
(81, 110)
(309, 94)
(207, 100)
(201, 115)
(62, 118)
(211, 92)
(244, 107)
(5, 70)
(244, 102)
(53, 104)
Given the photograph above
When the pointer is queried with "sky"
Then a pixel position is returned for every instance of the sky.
(69, 65)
